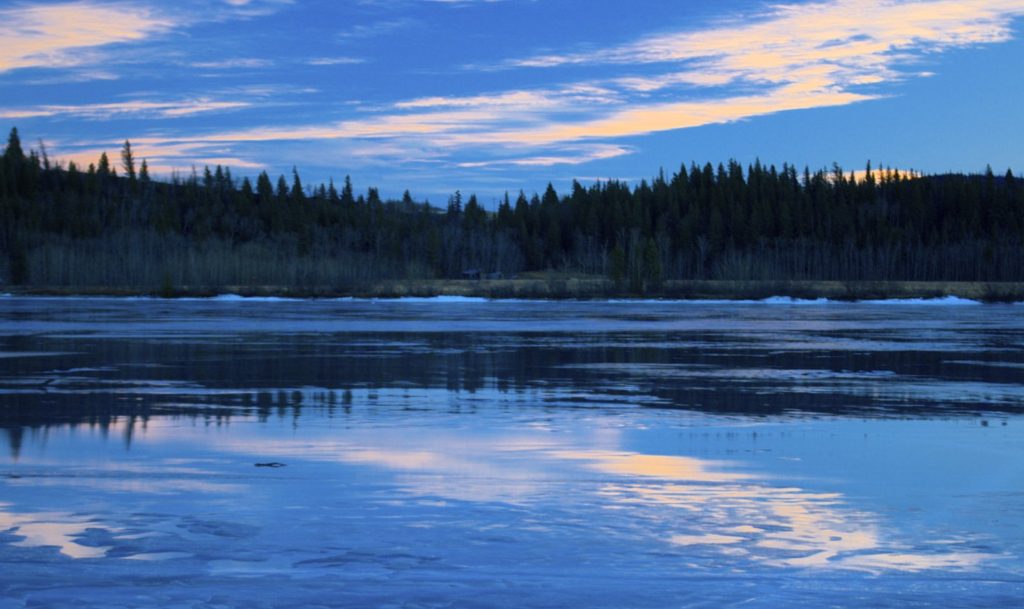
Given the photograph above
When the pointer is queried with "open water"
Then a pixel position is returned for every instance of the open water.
(460, 453)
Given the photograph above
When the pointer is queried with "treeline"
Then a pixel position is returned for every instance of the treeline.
(115, 226)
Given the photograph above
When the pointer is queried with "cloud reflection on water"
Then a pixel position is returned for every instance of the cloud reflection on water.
(743, 517)
(770, 525)
(56, 529)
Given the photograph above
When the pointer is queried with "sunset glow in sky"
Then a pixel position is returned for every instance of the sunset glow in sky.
(494, 95)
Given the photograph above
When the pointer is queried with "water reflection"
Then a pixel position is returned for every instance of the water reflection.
(51, 529)
(780, 526)
(653, 466)
(424, 497)
(126, 407)
(142, 359)
(741, 516)
(628, 450)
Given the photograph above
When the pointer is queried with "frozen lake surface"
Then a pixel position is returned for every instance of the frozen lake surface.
(454, 453)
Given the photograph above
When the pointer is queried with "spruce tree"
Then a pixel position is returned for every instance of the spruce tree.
(297, 193)
(128, 160)
(346, 193)
(264, 188)
(282, 189)
(103, 167)
(13, 153)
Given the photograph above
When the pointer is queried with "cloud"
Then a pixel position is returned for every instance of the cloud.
(787, 57)
(79, 75)
(335, 61)
(245, 9)
(565, 156)
(233, 63)
(841, 43)
(792, 57)
(172, 109)
(60, 35)
(373, 30)
(565, 98)
(642, 119)
(162, 158)
(487, 123)
(72, 34)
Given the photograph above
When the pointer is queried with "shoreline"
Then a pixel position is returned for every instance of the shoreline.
(571, 288)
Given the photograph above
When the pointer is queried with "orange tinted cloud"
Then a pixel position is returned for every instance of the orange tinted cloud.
(58, 35)
(789, 57)
(852, 35)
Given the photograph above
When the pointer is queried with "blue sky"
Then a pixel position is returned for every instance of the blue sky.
(492, 95)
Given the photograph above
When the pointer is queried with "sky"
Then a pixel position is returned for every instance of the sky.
(488, 96)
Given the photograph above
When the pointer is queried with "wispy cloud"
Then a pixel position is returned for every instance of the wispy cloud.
(161, 157)
(233, 63)
(373, 30)
(785, 58)
(829, 48)
(577, 155)
(565, 98)
(79, 75)
(74, 34)
(791, 57)
(61, 35)
(172, 109)
(641, 119)
(251, 8)
(335, 61)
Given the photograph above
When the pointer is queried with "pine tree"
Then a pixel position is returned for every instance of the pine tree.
(474, 215)
(455, 205)
(505, 216)
(550, 196)
(103, 167)
(282, 189)
(264, 188)
(297, 194)
(128, 160)
(13, 153)
(346, 193)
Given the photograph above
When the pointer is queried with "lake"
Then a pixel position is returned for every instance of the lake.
(459, 453)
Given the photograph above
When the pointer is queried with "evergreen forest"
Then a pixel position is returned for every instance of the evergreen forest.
(111, 224)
